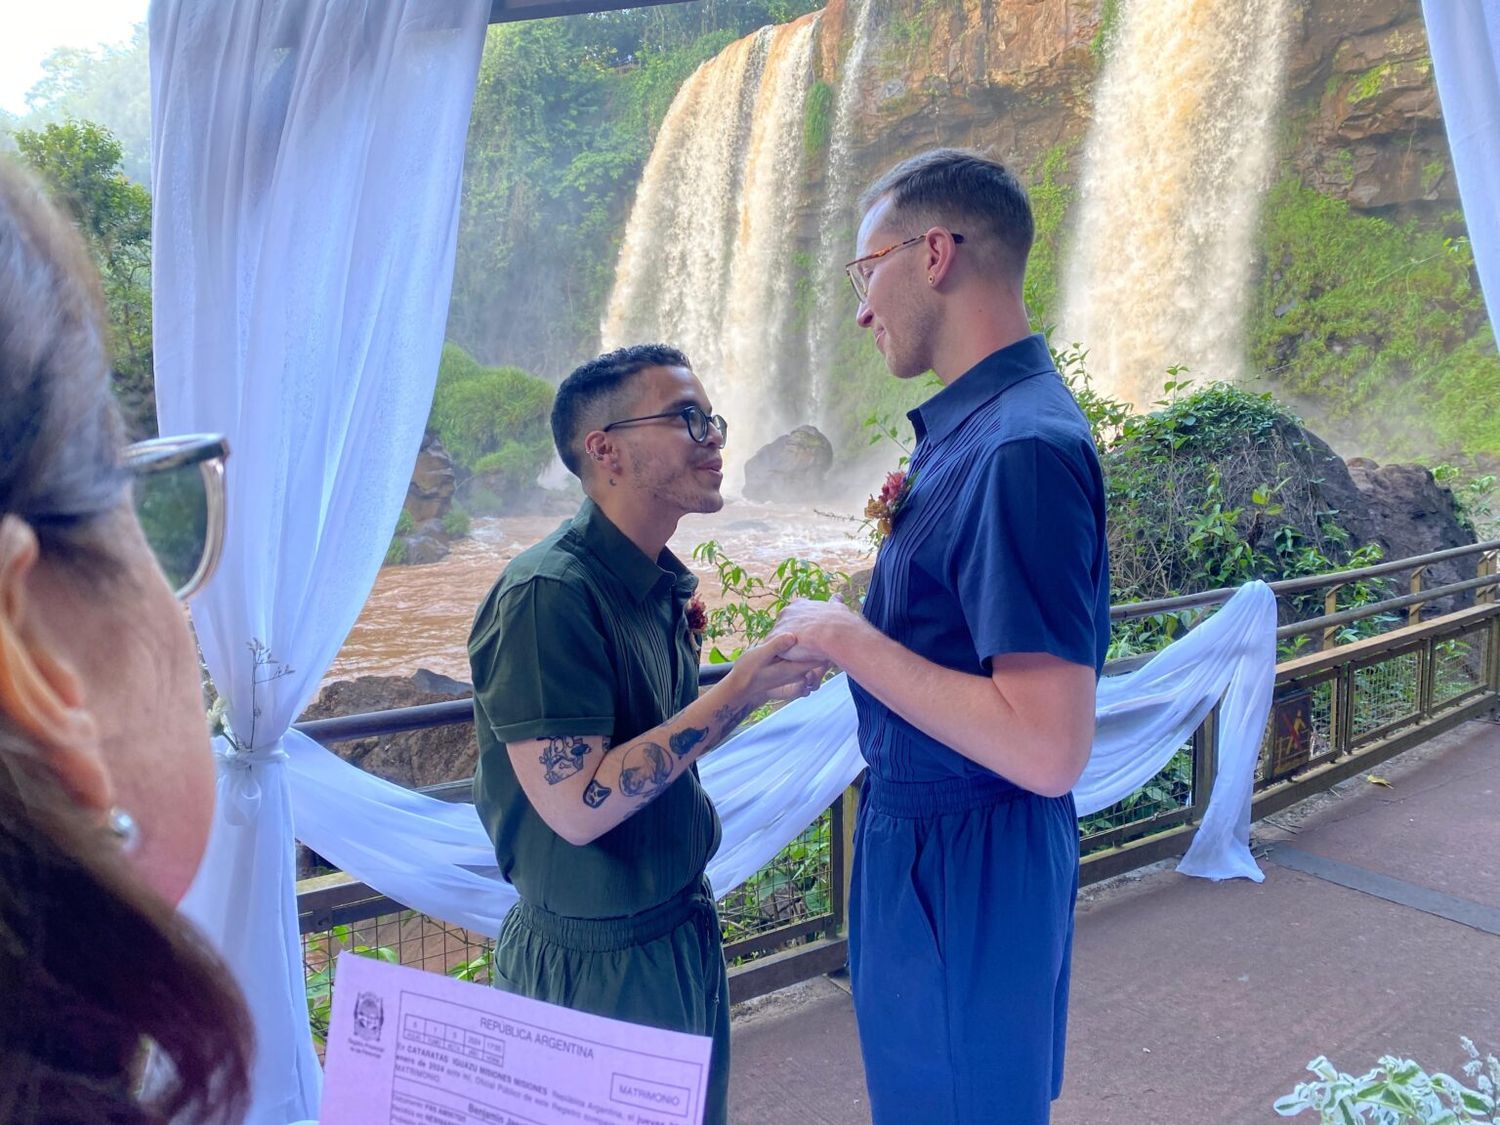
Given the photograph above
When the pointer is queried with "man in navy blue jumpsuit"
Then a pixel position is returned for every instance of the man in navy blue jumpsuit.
(973, 666)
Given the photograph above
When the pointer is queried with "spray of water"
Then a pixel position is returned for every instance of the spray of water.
(1174, 170)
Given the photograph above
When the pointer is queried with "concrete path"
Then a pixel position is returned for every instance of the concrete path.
(1378, 930)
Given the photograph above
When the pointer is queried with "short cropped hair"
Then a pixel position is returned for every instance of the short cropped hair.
(596, 384)
(964, 191)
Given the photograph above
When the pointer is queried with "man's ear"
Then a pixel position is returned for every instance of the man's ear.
(41, 694)
(599, 449)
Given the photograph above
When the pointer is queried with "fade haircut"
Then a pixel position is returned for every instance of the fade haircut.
(594, 387)
(965, 191)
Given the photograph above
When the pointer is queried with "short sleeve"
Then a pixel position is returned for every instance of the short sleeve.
(539, 661)
(1027, 560)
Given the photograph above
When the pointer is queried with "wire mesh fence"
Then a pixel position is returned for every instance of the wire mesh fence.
(1385, 693)
(1140, 813)
(1458, 665)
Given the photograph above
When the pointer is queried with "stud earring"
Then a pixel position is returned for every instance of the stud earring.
(124, 829)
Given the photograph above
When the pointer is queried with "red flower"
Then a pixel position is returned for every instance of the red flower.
(890, 492)
(881, 509)
(697, 616)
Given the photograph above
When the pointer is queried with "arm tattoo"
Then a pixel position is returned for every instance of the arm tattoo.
(645, 771)
(594, 795)
(563, 757)
(684, 740)
(730, 717)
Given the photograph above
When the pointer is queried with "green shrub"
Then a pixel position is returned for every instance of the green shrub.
(817, 118)
(492, 417)
(1399, 1092)
(456, 523)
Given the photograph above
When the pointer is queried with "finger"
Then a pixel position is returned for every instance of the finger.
(778, 643)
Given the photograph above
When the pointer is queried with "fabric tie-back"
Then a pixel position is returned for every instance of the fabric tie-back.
(772, 780)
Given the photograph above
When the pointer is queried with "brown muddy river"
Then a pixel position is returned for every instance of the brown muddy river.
(419, 616)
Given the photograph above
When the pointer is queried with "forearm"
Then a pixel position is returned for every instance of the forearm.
(1039, 744)
(629, 776)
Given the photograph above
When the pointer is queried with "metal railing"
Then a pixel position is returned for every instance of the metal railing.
(1338, 709)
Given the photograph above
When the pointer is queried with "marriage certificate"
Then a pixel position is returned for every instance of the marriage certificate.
(415, 1048)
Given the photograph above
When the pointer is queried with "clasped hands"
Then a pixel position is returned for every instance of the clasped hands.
(801, 649)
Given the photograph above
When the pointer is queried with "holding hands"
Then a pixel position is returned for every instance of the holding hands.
(823, 630)
(765, 671)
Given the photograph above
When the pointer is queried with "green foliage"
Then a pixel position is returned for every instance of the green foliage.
(1474, 495)
(109, 85)
(758, 602)
(493, 420)
(1109, 24)
(908, 32)
(1398, 1091)
(1376, 324)
(1051, 198)
(319, 980)
(1169, 789)
(817, 118)
(80, 162)
(795, 884)
(456, 523)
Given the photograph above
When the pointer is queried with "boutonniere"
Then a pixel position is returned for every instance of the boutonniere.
(882, 509)
(697, 621)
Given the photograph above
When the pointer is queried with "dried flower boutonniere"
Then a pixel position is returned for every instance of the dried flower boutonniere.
(881, 509)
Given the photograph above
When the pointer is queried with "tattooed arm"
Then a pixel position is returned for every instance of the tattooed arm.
(582, 786)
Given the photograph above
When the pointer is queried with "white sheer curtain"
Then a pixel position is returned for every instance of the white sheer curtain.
(771, 781)
(306, 159)
(1464, 37)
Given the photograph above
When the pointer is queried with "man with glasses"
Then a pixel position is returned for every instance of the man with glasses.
(590, 721)
(973, 666)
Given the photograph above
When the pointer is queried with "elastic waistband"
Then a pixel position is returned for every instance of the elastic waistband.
(598, 935)
(915, 799)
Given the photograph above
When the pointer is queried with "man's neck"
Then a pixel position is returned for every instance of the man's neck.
(644, 525)
(976, 328)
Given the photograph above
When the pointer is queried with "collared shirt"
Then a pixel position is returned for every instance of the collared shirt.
(997, 547)
(585, 635)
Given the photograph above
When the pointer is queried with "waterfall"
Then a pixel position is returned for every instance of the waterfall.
(837, 226)
(1176, 162)
(706, 263)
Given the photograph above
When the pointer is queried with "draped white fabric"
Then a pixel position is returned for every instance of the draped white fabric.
(771, 781)
(306, 162)
(1464, 37)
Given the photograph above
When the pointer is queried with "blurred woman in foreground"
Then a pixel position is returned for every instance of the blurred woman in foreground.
(106, 778)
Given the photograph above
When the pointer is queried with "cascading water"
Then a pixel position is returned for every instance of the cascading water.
(836, 241)
(1174, 169)
(707, 258)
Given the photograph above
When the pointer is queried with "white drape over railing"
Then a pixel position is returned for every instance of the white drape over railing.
(1464, 38)
(772, 780)
(306, 164)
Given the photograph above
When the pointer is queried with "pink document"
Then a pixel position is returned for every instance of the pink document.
(414, 1048)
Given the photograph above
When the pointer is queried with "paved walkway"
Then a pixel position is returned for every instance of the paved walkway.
(1376, 930)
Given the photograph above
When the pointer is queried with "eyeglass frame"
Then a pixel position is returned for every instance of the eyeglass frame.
(208, 451)
(685, 413)
(858, 280)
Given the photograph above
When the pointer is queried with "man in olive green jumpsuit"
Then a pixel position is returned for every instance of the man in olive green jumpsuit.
(589, 717)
